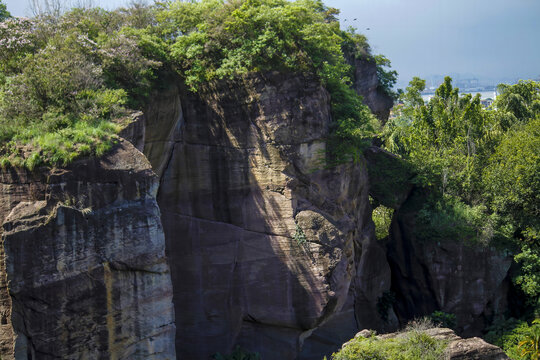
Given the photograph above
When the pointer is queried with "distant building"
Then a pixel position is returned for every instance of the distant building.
(486, 102)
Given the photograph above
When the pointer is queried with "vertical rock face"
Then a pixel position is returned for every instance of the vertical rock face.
(366, 83)
(84, 272)
(267, 249)
(452, 275)
(265, 246)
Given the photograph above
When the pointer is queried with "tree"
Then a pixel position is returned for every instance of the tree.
(4, 14)
(530, 346)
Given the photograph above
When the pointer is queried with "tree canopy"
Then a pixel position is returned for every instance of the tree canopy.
(4, 13)
(66, 80)
(482, 166)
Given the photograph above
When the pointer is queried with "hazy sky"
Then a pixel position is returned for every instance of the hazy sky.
(487, 38)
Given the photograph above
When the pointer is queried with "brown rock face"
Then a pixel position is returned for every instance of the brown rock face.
(366, 83)
(264, 245)
(84, 273)
(452, 275)
(467, 349)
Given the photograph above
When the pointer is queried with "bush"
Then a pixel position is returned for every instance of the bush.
(518, 339)
(63, 88)
(443, 319)
(411, 345)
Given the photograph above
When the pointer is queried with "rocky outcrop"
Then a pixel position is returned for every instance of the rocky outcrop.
(366, 83)
(467, 349)
(265, 245)
(456, 348)
(267, 248)
(84, 268)
(390, 178)
(456, 276)
(432, 272)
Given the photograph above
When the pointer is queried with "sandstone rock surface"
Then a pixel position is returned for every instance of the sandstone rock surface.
(457, 276)
(467, 349)
(265, 245)
(84, 268)
(366, 83)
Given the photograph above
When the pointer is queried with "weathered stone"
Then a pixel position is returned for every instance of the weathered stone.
(366, 83)
(467, 349)
(85, 268)
(265, 245)
(456, 276)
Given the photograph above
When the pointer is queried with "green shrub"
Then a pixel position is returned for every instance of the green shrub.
(382, 218)
(518, 339)
(414, 345)
(62, 91)
(443, 319)
(384, 303)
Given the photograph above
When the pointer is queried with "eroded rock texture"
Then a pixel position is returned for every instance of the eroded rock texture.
(456, 276)
(366, 83)
(467, 349)
(265, 246)
(429, 271)
(84, 273)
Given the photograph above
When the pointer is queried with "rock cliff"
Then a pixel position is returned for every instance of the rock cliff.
(454, 275)
(264, 244)
(228, 231)
(366, 83)
(83, 263)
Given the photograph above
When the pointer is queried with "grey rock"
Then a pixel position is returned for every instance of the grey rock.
(84, 273)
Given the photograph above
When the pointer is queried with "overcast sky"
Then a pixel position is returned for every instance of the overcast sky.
(497, 39)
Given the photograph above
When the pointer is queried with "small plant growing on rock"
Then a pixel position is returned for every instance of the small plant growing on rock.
(300, 236)
(443, 319)
(385, 303)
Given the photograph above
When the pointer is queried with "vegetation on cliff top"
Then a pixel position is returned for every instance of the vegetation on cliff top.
(483, 169)
(65, 81)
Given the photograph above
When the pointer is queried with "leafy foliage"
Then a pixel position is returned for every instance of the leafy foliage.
(530, 345)
(412, 345)
(4, 13)
(93, 66)
(67, 83)
(482, 166)
(387, 78)
(518, 339)
(443, 319)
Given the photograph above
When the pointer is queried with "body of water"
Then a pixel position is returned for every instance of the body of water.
(483, 94)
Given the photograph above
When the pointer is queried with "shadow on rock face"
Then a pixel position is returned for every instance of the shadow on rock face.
(263, 247)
